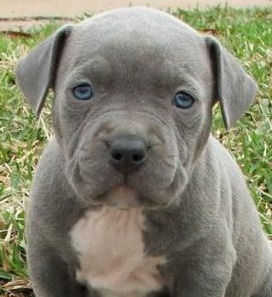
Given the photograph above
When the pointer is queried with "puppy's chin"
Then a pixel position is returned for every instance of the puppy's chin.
(122, 197)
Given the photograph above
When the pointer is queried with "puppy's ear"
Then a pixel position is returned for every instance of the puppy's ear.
(36, 72)
(234, 89)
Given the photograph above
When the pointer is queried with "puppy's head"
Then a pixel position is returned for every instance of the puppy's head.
(134, 90)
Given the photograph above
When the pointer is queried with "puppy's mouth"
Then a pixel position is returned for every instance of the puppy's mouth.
(111, 188)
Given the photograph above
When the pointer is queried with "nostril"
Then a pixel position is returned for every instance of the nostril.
(138, 157)
(117, 156)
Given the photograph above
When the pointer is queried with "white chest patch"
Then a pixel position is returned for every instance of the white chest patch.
(111, 253)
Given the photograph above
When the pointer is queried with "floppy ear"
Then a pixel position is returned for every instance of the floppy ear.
(234, 89)
(36, 72)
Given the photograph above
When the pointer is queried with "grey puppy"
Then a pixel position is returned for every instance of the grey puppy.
(133, 196)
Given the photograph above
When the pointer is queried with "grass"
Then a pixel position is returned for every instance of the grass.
(246, 33)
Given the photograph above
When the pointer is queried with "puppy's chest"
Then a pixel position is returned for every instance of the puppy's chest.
(110, 248)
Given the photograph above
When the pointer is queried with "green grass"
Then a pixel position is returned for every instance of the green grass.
(246, 33)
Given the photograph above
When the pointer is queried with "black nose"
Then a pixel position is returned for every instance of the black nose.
(127, 154)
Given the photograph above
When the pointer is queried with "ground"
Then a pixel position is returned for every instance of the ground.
(24, 14)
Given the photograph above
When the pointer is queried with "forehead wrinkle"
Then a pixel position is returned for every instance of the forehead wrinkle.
(156, 74)
(130, 65)
(96, 69)
(145, 58)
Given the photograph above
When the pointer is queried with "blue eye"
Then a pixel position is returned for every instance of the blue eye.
(183, 100)
(83, 91)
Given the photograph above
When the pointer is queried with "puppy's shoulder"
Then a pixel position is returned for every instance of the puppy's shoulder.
(221, 160)
(52, 156)
(50, 168)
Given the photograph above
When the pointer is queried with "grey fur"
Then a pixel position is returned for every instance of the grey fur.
(198, 209)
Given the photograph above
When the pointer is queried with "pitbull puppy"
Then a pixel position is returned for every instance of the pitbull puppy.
(134, 197)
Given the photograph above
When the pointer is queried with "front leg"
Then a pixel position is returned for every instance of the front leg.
(206, 270)
(199, 279)
(50, 274)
